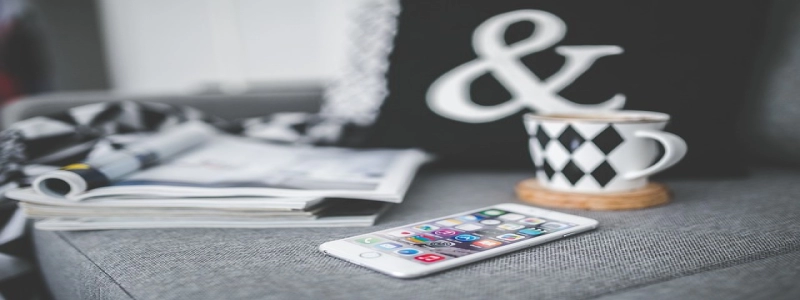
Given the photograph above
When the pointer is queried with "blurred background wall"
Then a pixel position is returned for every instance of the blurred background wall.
(70, 38)
(154, 46)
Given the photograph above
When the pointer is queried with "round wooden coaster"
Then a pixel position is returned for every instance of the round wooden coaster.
(653, 194)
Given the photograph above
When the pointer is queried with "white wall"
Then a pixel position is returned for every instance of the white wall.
(180, 45)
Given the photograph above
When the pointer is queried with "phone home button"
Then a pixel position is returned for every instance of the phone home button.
(370, 255)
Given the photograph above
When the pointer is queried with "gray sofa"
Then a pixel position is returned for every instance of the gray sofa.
(721, 238)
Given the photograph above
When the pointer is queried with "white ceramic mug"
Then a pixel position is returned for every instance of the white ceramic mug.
(600, 152)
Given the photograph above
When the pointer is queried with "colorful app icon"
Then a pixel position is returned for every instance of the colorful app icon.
(389, 246)
(511, 217)
(509, 226)
(402, 233)
(370, 240)
(531, 231)
(554, 226)
(466, 238)
(429, 258)
(469, 227)
(532, 221)
(421, 239)
(449, 222)
(490, 222)
(446, 232)
(472, 218)
(426, 227)
(441, 244)
(487, 244)
(510, 237)
(408, 251)
(493, 212)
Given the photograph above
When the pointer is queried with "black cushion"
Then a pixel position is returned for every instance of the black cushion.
(690, 59)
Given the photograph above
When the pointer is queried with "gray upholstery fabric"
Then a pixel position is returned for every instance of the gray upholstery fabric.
(69, 274)
(772, 278)
(277, 98)
(711, 225)
(769, 120)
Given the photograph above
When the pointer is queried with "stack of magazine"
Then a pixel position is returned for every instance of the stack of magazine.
(235, 182)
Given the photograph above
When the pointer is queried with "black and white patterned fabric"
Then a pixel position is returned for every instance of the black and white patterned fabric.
(71, 135)
(290, 127)
(572, 153)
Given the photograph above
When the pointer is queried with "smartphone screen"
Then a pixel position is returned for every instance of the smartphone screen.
(449, 238)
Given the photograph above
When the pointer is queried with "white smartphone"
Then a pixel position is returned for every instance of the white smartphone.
(439, 244)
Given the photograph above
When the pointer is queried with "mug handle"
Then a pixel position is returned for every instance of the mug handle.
(674, 150)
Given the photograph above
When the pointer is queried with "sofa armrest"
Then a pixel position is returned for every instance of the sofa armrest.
(286, 98)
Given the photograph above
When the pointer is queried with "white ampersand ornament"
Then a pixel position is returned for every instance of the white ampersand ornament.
(449, 96)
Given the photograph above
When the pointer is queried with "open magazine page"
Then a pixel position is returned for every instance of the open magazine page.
(229, 166)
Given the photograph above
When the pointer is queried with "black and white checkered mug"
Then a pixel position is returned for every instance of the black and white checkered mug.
(600, 152)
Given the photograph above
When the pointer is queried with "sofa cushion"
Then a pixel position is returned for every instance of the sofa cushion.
(462, 73)
(769, 278)
(711, 225)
